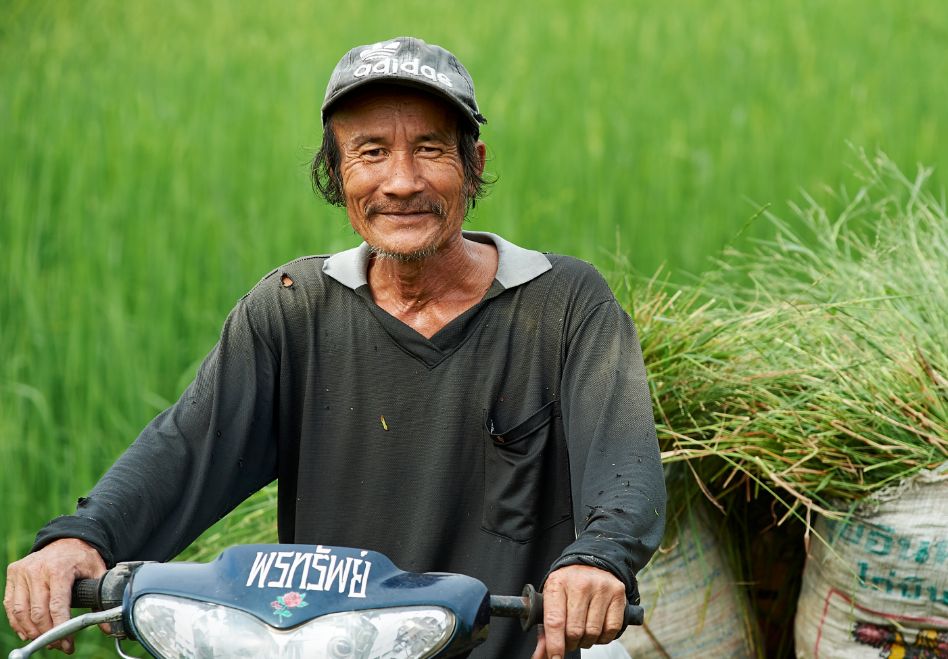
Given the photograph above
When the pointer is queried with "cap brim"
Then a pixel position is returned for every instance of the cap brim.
(397, 81)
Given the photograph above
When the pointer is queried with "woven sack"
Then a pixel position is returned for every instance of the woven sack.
(692, 606)
(879, 588)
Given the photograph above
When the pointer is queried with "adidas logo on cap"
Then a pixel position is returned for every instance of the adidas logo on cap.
(380, 59)
(379, 51)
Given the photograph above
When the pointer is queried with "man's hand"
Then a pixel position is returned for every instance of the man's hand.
(39, 587)
(582, 606)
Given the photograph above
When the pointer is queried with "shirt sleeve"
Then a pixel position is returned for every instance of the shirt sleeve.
(193, 463)
(617, 481)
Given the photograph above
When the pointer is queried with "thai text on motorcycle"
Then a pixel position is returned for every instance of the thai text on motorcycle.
(319, 570)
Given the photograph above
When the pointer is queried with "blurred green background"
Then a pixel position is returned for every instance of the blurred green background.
(153, 166)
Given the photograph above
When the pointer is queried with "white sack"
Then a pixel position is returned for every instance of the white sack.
(692, 606)
(881, 588)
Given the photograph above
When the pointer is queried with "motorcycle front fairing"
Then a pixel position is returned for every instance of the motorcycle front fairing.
(303, 601)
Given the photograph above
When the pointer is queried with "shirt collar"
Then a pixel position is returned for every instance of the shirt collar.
(515, 265)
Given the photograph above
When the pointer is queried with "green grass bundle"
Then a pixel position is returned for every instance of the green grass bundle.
(827, 378)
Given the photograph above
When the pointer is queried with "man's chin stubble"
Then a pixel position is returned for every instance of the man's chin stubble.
(404, 257)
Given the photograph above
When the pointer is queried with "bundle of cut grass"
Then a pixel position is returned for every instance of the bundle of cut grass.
(826, 378)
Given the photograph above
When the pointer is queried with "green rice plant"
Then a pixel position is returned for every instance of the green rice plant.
(827, 378)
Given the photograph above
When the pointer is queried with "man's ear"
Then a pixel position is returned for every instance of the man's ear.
(481, 149)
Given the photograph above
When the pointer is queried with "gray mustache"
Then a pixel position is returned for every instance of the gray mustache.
(410, 206)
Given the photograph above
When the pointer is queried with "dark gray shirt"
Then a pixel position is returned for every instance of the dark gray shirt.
(519, 438)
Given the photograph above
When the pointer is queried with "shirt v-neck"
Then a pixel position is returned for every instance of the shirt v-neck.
(515, 266)
(445, 341)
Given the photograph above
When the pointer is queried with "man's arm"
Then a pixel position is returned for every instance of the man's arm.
(617, 482)
(193, 463)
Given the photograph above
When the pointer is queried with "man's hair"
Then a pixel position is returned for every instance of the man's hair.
(326, 162)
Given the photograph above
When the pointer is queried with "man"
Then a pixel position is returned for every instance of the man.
(447, 398)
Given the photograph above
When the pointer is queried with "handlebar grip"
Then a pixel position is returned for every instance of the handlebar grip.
(634, 615)
(85, 594)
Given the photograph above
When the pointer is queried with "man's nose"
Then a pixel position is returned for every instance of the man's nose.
(402, 178)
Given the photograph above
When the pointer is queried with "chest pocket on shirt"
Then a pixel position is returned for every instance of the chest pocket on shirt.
(526, 475)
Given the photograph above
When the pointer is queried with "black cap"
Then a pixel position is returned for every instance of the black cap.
(405, 61)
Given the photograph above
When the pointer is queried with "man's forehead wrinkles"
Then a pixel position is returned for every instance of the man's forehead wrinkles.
(364, 138)
(376, 112)
(360, 139)
(437, 136)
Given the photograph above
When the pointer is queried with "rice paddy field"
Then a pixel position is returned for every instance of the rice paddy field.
(154, 161)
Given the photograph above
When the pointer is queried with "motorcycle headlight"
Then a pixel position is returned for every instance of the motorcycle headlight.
(179, 627)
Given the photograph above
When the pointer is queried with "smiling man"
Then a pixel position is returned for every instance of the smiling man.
(450, 399)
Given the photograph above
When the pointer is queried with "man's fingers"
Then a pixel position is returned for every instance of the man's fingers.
(595, 619)
(60, 597)
(38, 604)
(11, 607)
(540, 651)
(577, 605)
(615, 616)
(21, 609)
(554, 620)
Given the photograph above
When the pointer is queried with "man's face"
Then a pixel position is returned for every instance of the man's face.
(401, 170)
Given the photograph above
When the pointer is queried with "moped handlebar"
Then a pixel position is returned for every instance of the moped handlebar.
(104, 593)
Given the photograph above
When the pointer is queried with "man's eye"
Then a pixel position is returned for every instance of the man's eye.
(427, 149)
(372, 153)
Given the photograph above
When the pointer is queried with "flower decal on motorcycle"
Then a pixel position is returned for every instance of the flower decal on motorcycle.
(291, 600)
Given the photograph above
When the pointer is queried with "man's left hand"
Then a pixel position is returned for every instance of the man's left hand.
(582, 606)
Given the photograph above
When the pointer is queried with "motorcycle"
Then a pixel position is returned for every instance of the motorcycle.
(293, 601)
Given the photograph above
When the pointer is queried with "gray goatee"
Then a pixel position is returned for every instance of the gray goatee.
(404, 257)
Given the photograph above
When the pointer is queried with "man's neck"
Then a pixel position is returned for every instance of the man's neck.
(429, 293)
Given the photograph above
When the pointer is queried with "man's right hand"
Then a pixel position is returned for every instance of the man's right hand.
(39, 586)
